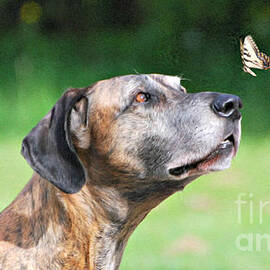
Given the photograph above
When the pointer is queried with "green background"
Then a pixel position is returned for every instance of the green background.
(48, 46)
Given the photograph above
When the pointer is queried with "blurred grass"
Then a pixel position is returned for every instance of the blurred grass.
(193, 229)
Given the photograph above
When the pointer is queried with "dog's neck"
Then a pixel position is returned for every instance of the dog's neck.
(88, 229)
(103, 219)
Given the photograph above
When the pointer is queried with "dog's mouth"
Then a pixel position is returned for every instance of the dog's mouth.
(218, 159)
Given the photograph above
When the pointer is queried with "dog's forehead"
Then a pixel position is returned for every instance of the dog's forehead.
(167, 81)
(114, 91)
(129, 82)
(154, 80)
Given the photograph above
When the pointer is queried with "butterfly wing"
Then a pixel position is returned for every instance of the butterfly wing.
(252, 53)
(251, 56)
(246, 56)
(266, 60)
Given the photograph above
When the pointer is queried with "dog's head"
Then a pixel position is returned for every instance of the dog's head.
(139, 128)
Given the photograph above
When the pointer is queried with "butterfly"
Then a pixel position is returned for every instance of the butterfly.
(252, 57)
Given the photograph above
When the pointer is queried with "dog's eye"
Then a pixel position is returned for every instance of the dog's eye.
(142, 97)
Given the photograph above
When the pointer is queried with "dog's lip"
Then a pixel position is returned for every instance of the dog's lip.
(227, 147)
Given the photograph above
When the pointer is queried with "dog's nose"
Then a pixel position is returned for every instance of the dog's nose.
(227, 106)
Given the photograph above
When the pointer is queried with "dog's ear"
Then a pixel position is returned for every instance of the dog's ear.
(49, 149)
(169, 81)
(79, 129)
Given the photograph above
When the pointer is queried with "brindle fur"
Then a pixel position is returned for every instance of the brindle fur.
(125, 150)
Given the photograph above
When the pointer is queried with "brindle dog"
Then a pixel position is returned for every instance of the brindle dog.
(103, 157)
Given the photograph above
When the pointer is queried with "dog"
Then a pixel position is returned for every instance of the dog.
(103, 157)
